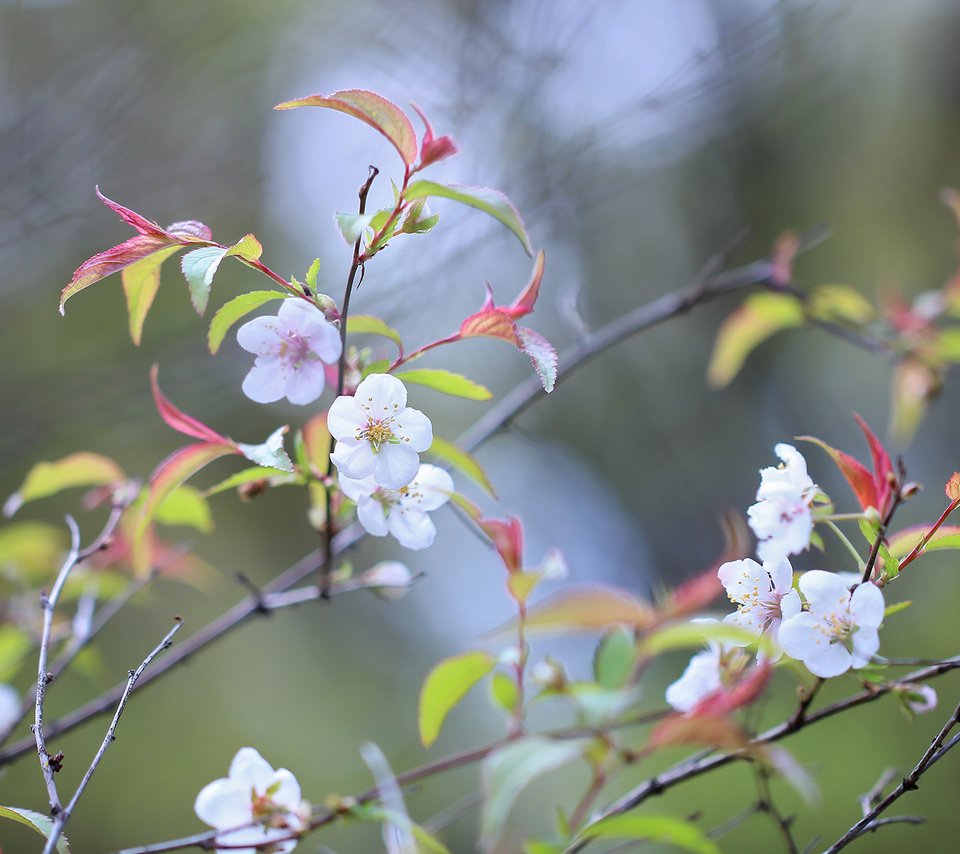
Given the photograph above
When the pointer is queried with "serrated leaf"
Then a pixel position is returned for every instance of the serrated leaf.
(590, 609)
(446, 382)
(652, 828)
(490, 201)
(952, 487)
(463, 462)
(365, 324)
(141, 280)
(247, 247)
(185, 506)
(42, 824)
(760, 317)
(382, 115)
(269, 453)
(230, 312)
(199, 267)
(614, 659)
(542, 354)
(49, 478)
(312, 272)
(504, 691)
(445, 686)
(510, 769)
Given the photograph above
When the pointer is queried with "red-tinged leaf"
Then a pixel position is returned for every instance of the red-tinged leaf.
(490, 323)
(433, 148)
(382, 115)
(952, 489)
(522, 584)
(746, 690)
(711, 731)
(131, 218)
(49, 478)
(542, 354)
(860, 479)
(179, 420)
(141, 280)
(589, 609)
(903, 542)
(316, 440)
(175, 470)
(527, 298)
(507, 537)
(882, 464)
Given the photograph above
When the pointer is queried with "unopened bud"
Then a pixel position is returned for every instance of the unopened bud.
(549, 674)
(909, 490)
(389, 579)
(328, 305)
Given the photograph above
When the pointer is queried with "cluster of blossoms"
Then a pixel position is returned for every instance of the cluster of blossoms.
(254, 806)
(829, 621)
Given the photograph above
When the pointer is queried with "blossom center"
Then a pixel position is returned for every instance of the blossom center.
(837, 627)
(296, 349)
(377, 433)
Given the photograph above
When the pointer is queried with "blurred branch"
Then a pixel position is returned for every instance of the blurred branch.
(63, 816)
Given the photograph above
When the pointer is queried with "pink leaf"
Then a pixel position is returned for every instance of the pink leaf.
(507, 536)
(856, 473)
(882, 466)
(433, 148)
(526, 299)
(179, 420)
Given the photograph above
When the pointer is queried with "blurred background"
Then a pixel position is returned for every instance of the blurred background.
(637, 137)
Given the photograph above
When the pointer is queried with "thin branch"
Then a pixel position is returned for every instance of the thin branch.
(766, 804)
(936, 751)
(64, 815)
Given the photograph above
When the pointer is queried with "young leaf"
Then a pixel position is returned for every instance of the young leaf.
(859, 477)
(312, 272)
(840, 302)
(903, 542)
(199, 267)
(316, 439)
(504, 691)
(247, 248)
(270, 453)
(510, 769)
(491, 202)
(446, 382)
(462, 462)
(185, 506)
(42, 824)
(230, 312)
(652, 828)
(614, 659)
(445, 686)
(46, 479)
(364, 324)
(141, 281)
(382, 115)
(179, 420)
(542, 354)
(696, 634)
(589, 609)
(761, 316)
(248, 476)
(952, 488)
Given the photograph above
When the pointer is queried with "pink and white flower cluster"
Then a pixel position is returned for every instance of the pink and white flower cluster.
(828, 621)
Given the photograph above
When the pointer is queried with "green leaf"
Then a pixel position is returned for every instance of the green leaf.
(312, 274)
(446, 382)
(381, 366)
(653, 828)
(463, 462)
(382, 115)
(445, 686)
(903, 542)
(247, 247)
(761, 316)
(364, 324)
(249, 475)
(230, 312)
(49, 478)
(492, 202)
(30, 551)
(270, 453)
(896, 608)
(36, 821)
(15, 644)
(509, 770)
(840, 302)
(696, 634)
(141, 281)
(589, 609)
(504, 691)
(615, 658)
(185, 506)
(199, 268)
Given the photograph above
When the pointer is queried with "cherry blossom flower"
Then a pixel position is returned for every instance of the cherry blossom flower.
(764, 594)
(839, 631)
(716, 667)
(292, 350)
(401, 512)
(9, 707)
(377, 434)
(253, 792)
(781, 518)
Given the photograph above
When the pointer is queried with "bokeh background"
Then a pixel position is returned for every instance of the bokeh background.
(637, 137)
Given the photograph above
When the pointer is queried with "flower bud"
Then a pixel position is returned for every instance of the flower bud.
(389, 579)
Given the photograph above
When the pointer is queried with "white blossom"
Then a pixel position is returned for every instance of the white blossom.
(764, 594)
(292, 351)
(253, 792)
(718, 666)
(9, 707)
(839, 631)
(377, 434)
(401, 512)
(781, 518)
(390, 579)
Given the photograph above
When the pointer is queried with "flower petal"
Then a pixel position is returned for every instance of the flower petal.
(830, 661)
(414, 428)
(223, 803)
(744, 580)
(357, 488)
(262, 336)
(251, 769)
(701, 677)
(345, 417)
(382, 393)
(430, 489)
(394, 467)
(412, 529)
(266, 381)
(866, 606)
(305, 384)
(287, 793)
(781, 574)
(866, 642)
(826, 593)
(372, 517)
(354, 457)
